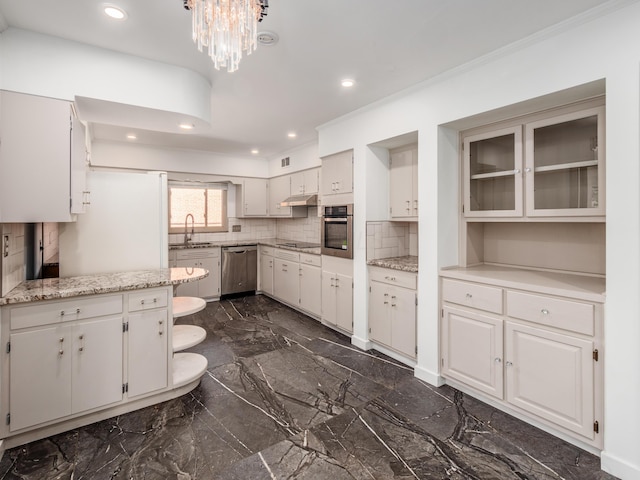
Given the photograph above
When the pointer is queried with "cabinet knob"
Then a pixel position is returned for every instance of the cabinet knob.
(516, 171)
(386, 303)
(509, 364)
(527, 170)
(498, 360)
(469, 296)
(393, 304)
(544, 311)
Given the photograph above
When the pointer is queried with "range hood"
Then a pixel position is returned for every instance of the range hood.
(300, 201)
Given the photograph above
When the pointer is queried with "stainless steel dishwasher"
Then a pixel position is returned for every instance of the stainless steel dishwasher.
(239, 269)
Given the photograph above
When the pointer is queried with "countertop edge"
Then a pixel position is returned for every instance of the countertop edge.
(60, 288)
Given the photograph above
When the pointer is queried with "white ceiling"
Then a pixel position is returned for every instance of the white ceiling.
(385, 45)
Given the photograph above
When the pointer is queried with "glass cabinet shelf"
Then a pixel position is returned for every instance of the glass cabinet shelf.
(566, 166)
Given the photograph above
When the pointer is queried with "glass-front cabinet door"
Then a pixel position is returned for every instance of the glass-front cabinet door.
(564, 165)
(493, 173)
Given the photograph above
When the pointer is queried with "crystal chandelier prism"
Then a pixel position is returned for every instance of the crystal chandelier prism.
(227, 28)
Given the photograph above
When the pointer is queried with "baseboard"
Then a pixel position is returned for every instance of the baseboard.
(428, 376)
(361, 343)
(618, 467)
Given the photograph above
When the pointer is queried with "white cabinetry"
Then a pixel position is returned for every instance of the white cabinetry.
(279, 190)
(207, 258)
(310, 283)
(147, 363)
(252, 197)
(550, 166)
(292, 277)
(538, 354)
(305, 182)
(286, 277)
(265, 277)
(337, 292)
(32, 190)
(403, 183)
(65, 358)
(392, 309)
(337, 174)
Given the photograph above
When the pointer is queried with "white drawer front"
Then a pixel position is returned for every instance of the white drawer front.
(196, 253)
(288, 255)
(554, 312)
(472, 295)
(266, 250)
(393, 277)
(310, 259)
(64, 311)
(147, 299)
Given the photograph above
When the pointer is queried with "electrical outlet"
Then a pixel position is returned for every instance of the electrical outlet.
(236, 228)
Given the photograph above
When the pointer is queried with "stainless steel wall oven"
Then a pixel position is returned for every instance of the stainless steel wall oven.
(337, 231)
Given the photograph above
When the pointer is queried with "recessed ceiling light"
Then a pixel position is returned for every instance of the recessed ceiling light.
(291, 135)
(347, 82)
(132, 136)
(115, 12)
(187, 126)
(255, 151)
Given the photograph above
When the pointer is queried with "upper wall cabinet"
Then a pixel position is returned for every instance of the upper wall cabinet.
(42, 160)
(305, 182)
(337, 175)
(557, 170)
(403, 183)
(252, 197)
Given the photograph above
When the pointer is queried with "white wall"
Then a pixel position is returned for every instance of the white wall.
(57, 68)
(595, 48)
(144, 157)
(300, 158)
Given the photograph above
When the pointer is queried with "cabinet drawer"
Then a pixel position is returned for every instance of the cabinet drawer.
(147, 299)
(309, 259)
(264, 250)
(393, 277)
(554, 312)
(196, 253)
(482, 297)
(288, 255)
(64, 311)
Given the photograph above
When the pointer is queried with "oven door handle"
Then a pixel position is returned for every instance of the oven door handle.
(335, 220)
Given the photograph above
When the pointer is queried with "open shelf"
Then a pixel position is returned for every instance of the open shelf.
(183, 306)
(187, 336)
(188, 367)
(566, 166)
(482, 176)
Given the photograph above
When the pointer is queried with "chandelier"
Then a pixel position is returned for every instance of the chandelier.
(227, 28)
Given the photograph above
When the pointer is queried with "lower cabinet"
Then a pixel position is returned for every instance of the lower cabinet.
(64, 369)
(265, 276)
(286, 279)
(83, 354)
(392, 309)
(207, 258)
(310, 285)
(337, 292)
(292, 277)
(536, 354)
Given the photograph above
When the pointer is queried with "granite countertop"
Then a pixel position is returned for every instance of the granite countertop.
(54, 288)
(407, 263)
(303, 247)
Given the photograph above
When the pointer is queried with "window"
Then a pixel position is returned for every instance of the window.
(206, 202)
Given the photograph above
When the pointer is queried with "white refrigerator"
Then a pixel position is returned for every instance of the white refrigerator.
(125, 226)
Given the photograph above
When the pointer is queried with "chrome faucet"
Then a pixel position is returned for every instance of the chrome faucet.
(187, 237)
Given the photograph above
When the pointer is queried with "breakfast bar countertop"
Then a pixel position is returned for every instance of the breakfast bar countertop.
(54, 288)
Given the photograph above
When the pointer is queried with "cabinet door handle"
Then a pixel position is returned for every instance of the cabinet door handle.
(155, 300)
(160, 329)
(61, 350)
(337, 282)
(73, 312)
(393, 304)
(81, 337)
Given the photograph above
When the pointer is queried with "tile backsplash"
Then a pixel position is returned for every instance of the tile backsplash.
(391, 239)
(299, 229)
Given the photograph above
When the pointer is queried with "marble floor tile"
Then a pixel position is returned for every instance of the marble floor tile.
(286, 398)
